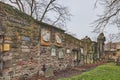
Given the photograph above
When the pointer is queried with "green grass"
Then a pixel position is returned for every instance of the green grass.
(104, 72)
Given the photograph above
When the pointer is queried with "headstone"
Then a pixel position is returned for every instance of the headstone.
(53, 52)
(6, 77)
(49, 72)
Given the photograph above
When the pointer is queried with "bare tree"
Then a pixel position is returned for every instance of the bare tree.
(111, 14)
(48, 11)
(60, 14)
(111, 38)
(19, 4)
(32, 6)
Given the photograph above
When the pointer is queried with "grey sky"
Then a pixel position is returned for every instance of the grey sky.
(83, 15)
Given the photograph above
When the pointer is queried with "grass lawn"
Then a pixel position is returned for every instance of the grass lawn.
(107, 71)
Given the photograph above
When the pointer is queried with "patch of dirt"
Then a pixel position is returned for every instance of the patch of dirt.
(69, 72)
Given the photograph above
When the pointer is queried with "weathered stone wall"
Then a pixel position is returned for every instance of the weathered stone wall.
(22, 57)
(59, 58)
(29, 50)
(88, 50)
(71, 44)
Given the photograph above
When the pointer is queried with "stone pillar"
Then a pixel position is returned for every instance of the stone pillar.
(95, 52)
(100, 40)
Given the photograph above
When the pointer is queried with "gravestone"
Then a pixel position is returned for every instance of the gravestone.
(6, 77)
(49, 72)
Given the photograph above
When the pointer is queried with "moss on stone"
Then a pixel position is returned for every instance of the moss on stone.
(15, 12)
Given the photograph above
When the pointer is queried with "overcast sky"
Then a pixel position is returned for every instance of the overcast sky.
(84, 14)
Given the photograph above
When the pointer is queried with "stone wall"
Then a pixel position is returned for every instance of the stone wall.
(26, 56)
(29, 50)
(19, 59)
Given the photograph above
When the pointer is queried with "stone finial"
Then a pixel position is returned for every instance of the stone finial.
(101, 37)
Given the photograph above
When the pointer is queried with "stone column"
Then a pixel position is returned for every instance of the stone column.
(100, 41)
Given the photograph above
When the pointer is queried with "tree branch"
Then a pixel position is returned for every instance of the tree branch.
(51, 1)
